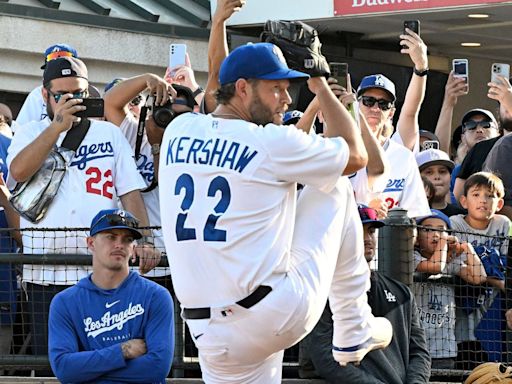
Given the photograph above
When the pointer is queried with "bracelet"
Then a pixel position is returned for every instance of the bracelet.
(420, 73)
(197, 91)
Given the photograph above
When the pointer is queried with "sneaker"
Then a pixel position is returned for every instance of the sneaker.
(382, 332)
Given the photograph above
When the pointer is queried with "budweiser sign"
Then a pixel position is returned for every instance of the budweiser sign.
(361, 7)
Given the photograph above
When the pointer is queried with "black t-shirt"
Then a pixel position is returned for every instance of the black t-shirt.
(475, 158)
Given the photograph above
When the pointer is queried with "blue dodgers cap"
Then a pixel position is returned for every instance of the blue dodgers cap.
(107, 219)
(377, 81)
(58, 50)
(435, 214)
(369, 216)
(263, 61)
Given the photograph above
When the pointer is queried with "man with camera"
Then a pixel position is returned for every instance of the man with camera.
(100, 171)
(164, 102)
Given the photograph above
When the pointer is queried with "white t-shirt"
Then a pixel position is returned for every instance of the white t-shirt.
(33, 109)
(228, 197)
(400, 187)
(102, 170)
(146, 169)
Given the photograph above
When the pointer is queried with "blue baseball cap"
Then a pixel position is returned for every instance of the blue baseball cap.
(263, 61)
(113, 83)
(435, 214)
(377, 81)
(58, 50)
(107, 219)
(369, 216)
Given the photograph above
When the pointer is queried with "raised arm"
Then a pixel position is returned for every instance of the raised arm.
(340, 124)
(118, 97)
(218, 48)
(455, 87)
(408, 126)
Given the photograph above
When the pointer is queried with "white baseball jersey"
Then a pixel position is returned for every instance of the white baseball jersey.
(403, 186)
(146, 169)
(102, 170)
(228, 197)
(33, 109)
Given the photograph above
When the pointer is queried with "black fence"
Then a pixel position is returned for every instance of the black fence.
(465, 322)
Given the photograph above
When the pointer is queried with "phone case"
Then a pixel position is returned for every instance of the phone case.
(413, 25)
(460, 68)
(95, 107)
(339, 71)
(499, 69)
(177, 55)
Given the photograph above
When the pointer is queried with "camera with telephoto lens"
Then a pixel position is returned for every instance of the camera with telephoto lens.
(164, 114)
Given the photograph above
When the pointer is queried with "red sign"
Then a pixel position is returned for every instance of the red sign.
(362, 7)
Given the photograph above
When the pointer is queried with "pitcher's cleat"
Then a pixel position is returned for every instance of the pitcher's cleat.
(382, 333)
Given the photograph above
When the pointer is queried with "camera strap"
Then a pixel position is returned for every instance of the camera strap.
(140, 130)
(76, 134)
(138, 143)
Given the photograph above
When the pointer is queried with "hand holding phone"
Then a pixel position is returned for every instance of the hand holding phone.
(413, 25)
(461, 70)
(499, 69)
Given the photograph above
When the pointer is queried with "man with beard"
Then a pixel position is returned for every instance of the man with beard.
(500, 156)
(251, 265)
(101, 172)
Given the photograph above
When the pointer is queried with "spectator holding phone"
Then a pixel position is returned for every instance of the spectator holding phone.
(101, 172)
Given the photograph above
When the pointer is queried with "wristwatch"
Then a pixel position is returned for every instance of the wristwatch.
(420, 73)
(155, 149)
(197, 91)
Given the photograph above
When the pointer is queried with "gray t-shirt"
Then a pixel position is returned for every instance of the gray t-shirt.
(498, 161)
(436, 308)
(490, 241)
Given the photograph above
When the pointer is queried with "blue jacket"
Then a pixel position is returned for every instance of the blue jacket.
(87, 326)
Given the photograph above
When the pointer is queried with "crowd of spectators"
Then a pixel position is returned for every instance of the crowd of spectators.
(458, 192)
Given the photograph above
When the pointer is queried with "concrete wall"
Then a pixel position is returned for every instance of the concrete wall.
(107, 53)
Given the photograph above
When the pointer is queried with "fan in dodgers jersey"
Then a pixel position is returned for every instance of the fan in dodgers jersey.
(252, 266)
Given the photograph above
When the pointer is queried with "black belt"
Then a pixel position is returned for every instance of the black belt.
(253, 299)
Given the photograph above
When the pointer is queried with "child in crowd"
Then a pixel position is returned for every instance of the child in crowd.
(436, 166)
(480, 315)
(436, 252)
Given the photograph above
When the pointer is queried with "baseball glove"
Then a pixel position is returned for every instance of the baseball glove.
(300, 45)
(490, 373)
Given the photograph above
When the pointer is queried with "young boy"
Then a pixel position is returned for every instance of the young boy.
(481, 316)
(437, 253)
(437, 167)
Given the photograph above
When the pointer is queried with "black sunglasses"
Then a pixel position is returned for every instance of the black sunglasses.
(77, 95)
(471, 125)
(116, 220)
(369, 101)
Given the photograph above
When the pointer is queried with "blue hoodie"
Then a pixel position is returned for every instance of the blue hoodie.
(87, 326)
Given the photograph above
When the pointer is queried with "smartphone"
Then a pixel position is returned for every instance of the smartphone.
(95, 107)
(413, 25)
(499, 69)
(430, 144)
(339, 71)
(461, 69)
(177, 54)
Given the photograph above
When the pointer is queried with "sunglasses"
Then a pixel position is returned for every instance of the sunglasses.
(471, 125)
(369, 101)
(117, 220)
(77, 95)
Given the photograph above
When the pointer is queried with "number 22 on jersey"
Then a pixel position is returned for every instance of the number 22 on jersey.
(185, 182)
